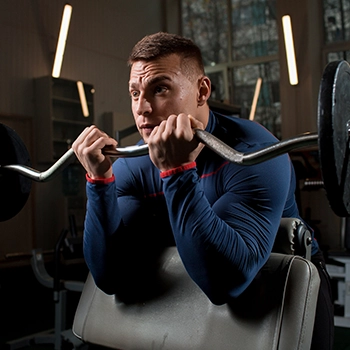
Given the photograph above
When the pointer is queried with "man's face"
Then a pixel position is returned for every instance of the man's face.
(158, 89)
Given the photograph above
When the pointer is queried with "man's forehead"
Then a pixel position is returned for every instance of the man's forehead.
(165, 63)
(154, 71)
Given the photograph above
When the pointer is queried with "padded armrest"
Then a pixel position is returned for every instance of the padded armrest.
(41, 274)
(276, 312)
(39, 269)
(293, 237)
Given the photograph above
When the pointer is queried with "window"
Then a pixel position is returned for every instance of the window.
(336, 19)
(239, 42)
(269, 106)
(206, 23)
(336, 15)
(254, 29)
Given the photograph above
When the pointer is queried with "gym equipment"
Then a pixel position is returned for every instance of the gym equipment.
(332, 139)
(60, 336)
(276, 312)
(183, 318)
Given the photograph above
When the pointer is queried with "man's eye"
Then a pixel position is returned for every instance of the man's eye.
(134, 94)
(160, 89)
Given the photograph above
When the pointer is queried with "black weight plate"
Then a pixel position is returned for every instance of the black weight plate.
(333, 141)
(14, 188)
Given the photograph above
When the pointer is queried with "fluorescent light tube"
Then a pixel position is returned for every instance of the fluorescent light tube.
(61, 44)
(290, 52)
(255, 99)
(84, 106)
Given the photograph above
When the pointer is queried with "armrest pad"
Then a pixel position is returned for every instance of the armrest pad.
(293, 237)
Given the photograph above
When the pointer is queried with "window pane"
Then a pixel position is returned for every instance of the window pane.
(268, 111)
(337, 56)
(218, 88)
(206, 23)
(336, 14)
(254, 28)
(254, 34)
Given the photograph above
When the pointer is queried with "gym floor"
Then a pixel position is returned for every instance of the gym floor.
(27, 307)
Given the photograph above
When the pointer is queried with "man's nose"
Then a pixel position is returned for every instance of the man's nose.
(143, 106)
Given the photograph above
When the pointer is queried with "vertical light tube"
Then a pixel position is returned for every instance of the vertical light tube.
(255, 99)
(82, 97)
(290, 52)
(61, 44)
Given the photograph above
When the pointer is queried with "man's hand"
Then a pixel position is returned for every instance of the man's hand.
(88, 149)
(172, 143)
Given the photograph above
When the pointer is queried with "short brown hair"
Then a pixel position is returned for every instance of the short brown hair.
(159, 45)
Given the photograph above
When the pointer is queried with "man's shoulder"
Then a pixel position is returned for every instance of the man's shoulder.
(244, 130)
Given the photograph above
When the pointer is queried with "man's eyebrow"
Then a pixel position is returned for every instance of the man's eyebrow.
(158, 79)
(132, 86)
(152, 81)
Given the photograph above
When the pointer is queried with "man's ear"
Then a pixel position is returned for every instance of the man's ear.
(204, 90)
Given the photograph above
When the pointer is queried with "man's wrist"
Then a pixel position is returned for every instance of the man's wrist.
(100, 180)
(177, 170)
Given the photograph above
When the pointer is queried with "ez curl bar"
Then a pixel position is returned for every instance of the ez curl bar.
(332, 138)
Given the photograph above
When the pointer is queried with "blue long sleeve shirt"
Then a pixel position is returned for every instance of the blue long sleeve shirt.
(223, 217)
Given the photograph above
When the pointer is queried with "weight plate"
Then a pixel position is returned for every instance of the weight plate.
(14, 188)
(333, 140)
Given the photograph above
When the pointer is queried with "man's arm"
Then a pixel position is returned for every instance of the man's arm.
(102, 222)
(223, 245)
(126, 230)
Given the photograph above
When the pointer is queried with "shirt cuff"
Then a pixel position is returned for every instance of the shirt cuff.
(177, 170)
(100, 181)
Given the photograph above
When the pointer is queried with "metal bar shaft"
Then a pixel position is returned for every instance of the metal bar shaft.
(259, 156)
(67, 158)
(209, 140)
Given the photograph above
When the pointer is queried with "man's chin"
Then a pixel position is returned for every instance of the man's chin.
(145, 135)
(145, 138)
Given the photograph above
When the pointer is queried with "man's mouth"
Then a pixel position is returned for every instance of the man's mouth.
(147, 128)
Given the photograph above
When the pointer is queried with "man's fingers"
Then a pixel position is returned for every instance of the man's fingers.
(195, 124)
(178, 125)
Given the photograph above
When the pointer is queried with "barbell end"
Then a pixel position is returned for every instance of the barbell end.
(44, 176)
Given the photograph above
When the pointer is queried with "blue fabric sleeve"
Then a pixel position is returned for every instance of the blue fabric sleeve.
(101, 222)
(225, 244)
(125, 233)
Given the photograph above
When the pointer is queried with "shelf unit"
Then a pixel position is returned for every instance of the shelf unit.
(59, 116)
(343, 275)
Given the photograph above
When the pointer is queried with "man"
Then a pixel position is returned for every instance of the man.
(223, 217)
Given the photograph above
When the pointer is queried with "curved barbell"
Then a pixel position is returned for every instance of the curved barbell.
(208, 139)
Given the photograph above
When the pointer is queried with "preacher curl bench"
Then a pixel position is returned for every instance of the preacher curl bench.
(275, 313)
